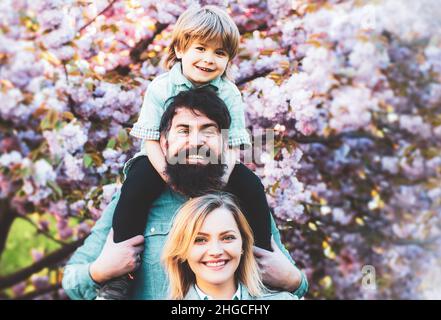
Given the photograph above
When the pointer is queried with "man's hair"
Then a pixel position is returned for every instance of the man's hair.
(209, 23)
(199, 101)
(186, 225)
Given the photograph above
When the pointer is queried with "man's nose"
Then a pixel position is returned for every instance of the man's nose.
(196, 139)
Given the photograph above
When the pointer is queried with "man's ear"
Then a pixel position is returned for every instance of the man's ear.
(163, 144)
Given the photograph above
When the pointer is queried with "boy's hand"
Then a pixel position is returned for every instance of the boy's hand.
(230, 156)
(165, 177)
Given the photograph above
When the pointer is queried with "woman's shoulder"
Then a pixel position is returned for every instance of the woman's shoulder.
(278, 295)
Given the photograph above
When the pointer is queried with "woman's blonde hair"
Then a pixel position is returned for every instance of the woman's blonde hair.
(187, 223)
(205, 24)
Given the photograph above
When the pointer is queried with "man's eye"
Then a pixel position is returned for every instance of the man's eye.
(183, 131)
(210, 132)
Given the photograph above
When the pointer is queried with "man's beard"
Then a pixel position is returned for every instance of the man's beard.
(195, 180)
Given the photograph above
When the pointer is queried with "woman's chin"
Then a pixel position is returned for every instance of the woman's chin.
(217, 279)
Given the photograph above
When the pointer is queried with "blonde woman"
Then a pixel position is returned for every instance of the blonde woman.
(209, 253)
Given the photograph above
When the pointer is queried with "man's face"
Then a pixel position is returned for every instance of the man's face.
(192, 139)
(193, 150)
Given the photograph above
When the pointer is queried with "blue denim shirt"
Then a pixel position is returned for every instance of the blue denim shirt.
(151, 282)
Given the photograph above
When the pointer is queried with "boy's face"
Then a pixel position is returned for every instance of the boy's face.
(203, 62)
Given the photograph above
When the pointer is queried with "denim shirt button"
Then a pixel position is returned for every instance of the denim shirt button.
(152, 230)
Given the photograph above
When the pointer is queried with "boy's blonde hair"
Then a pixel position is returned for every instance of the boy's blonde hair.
(187, 223)
(205, 24)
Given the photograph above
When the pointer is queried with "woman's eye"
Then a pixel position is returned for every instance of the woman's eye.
(200, 240)
(229, 238)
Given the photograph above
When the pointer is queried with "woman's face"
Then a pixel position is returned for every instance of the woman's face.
(216, 252)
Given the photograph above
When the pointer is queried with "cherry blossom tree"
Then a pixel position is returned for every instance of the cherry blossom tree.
(352, 90)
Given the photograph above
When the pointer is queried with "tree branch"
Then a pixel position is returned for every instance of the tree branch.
(102, 11)
(143, 44)
(47, 261)
(334, 138)
(44, 233)
(7, 216)
(39, 292)
(262, 73)
(412, 241)
(138, 49)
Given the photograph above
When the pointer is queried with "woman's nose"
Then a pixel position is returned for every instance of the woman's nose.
(215, 248)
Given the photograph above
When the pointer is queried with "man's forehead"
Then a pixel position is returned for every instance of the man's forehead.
(188, 117)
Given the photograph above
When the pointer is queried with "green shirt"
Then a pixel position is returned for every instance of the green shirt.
(151, 282)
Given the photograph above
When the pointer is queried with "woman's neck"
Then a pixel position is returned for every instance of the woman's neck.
(223, 291)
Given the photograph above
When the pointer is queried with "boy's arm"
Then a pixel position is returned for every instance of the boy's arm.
(156, 157)
(147, 125)
(238, 134)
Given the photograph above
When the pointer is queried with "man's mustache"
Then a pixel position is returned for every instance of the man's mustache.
(202, 151)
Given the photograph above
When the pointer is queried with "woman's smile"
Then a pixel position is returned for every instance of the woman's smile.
(216, 252)
(216, 264)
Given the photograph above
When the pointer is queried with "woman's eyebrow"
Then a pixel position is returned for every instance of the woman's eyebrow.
(228, 231)
(222, 233)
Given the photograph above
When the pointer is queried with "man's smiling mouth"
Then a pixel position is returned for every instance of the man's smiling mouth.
(196, 157)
